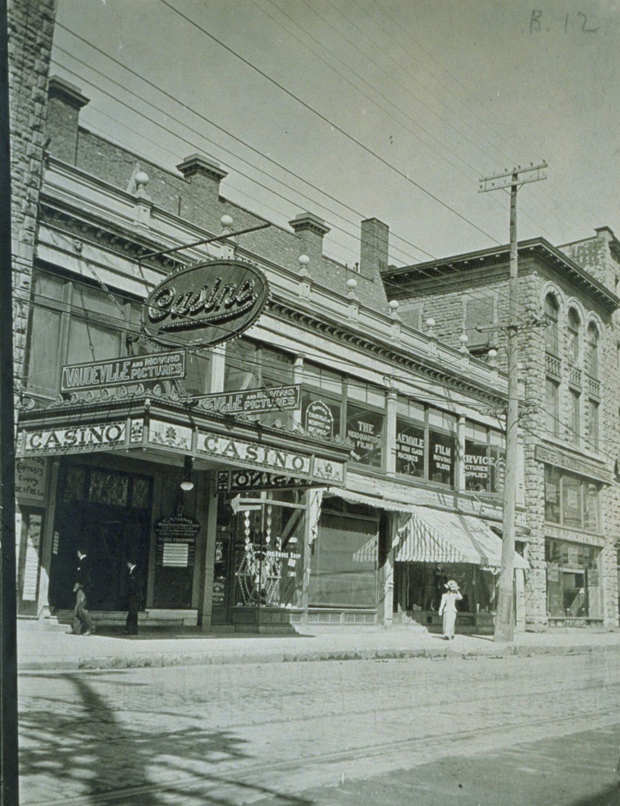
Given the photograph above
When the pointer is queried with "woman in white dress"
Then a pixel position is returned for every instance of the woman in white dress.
(447, 608)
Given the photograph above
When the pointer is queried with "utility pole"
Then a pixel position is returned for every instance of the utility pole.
(504, 619)
(9, 792)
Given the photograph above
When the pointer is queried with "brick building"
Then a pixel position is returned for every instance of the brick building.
(569, 416)
(354, 506)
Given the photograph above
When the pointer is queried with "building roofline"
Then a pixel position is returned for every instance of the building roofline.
(483, 257)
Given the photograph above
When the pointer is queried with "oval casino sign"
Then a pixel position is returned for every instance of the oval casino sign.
(205, 304)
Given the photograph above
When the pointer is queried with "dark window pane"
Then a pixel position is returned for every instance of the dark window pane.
(410, 449)
(365, 430)
(441, 458)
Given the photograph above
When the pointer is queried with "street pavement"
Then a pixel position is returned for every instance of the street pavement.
(542, 730)
(40, 649)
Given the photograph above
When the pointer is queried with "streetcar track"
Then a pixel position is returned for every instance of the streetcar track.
(179, 784)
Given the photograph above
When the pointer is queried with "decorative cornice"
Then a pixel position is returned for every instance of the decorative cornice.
(485, 259)
(383, 351)
(101, 233)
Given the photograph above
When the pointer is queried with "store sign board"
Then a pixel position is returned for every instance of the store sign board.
(245, 480)
(558, 533)
(77, 439)
(235, 450)
(270, 459)
(30, 478)
(176, 541)
(206, 304)
(574, 464)
(120, 371)
(254, 401)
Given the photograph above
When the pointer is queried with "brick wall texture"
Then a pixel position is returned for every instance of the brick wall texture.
(31, 25)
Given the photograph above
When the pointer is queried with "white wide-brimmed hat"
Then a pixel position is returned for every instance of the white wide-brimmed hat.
(452, 585)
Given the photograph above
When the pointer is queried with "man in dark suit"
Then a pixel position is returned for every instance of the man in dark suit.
(134, 598)
(82, 623)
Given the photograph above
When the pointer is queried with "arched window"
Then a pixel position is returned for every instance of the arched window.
(592, 351)
(573, 337)
(551, 331)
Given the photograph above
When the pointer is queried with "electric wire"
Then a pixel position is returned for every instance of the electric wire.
(331, 123)
(393, 37)
(72, 72)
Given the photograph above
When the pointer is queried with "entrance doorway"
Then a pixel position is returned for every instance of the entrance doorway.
(107, 515)
(258, 553)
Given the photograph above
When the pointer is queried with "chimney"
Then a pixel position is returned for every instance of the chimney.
(374, 248)
(311, 229)
(200, 202)
(63, 113)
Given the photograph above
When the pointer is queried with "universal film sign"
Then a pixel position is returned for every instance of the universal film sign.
(205, 304)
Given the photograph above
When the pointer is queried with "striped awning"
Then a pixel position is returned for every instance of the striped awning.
(432, 535)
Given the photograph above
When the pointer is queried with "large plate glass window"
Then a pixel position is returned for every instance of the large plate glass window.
(441, 447)
(484, 472)
(321, 401)
(74, 323)
(365, 423)
(571, 501)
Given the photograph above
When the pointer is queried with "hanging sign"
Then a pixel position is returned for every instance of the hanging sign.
(206, 304)
(253, 401)
(137, 369)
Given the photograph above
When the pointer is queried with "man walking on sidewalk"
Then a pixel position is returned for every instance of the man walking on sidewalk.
(134, 598)
(82, 623)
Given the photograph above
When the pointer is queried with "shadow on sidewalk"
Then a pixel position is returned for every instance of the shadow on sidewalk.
(77, 747)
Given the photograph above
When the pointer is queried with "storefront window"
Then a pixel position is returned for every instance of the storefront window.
(571, 501)
(552, 494)
(365, 430)
(410, 449)
(343, 569)
(572, 506)
(483, 450)
(573, 580)
(321, 404)
(73, 323)
(442, 451)
(268, 562)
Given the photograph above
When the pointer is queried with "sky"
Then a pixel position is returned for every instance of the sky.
(352, 109)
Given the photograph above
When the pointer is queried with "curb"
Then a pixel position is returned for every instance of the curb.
(214, 658)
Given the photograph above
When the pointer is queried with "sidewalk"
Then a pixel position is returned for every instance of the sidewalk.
(40, 649)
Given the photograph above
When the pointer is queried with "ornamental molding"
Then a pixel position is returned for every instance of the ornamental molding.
(101, 233)
(379, 350)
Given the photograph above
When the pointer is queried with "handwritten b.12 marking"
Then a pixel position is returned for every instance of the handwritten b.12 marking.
(539, 22)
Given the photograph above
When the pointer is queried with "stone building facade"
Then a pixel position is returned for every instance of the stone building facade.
(569, 418)
(30, 34)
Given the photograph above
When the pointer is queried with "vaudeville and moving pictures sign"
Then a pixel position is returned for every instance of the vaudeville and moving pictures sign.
(117, 371)
(253, 401)
(205, 304)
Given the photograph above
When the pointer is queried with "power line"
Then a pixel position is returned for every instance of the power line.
(132, 109)
(331, 123)
(156, 123)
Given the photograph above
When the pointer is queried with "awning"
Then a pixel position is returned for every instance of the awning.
(369, 500)
(431, 535)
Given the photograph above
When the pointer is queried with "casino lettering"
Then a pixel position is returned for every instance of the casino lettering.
(210, 304)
